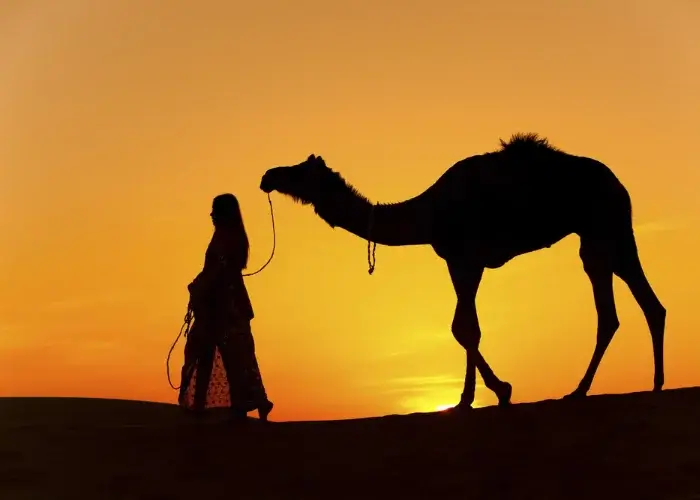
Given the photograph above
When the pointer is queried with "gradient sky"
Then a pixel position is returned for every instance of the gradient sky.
(121, 119)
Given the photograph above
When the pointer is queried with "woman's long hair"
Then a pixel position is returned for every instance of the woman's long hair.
(226, 216)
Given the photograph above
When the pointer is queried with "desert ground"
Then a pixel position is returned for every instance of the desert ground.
(634, 446)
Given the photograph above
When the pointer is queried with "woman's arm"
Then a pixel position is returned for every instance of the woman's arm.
(213, 270)
(214, 264)
(222, 259)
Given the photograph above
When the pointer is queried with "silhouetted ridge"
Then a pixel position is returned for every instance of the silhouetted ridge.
(631, 446)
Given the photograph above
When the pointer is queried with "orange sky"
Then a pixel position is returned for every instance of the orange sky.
(121, 119)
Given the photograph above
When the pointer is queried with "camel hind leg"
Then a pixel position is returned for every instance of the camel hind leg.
(601, 258)
(629, 268)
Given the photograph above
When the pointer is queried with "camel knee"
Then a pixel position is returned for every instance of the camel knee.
(467, 335)
(595, 265)
(465, 324)
(660, 311)
(656, 317)
(608, 324)
(597, 257)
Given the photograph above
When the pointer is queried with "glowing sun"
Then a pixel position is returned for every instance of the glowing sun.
(443, 407)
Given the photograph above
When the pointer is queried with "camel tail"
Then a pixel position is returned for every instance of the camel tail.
(610, 205)
(620, 204)
(629, 216)
(622, 227)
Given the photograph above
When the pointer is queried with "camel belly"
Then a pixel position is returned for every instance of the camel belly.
(493, 227)
(495, 253)
(502, 240)
(493, 248)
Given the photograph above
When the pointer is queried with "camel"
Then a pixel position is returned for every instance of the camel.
(487, 209)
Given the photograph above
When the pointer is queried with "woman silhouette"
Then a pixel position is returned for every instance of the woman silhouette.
(220, 367)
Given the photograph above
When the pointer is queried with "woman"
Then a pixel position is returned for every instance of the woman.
(220, 367)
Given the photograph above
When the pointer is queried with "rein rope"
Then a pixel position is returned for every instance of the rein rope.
(189, 316)
(184, 329)
(274, 239)
(371, 245)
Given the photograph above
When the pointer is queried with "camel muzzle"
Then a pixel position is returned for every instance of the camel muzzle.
(266, 184)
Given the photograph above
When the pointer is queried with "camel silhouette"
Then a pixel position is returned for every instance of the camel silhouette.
(484, 211)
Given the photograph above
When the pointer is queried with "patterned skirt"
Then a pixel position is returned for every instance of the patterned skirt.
(227, 354)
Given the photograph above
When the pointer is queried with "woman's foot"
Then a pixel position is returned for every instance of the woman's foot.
(238, 416)
(264, 410)
(182, 400)
(193, 412)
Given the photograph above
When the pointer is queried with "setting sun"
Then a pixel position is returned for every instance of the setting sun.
(444, 407)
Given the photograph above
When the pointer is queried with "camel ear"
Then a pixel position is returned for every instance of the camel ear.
(320, 160)
(311, 157)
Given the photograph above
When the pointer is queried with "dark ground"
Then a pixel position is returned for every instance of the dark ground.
(636, 446)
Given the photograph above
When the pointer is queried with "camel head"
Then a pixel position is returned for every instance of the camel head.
(307, 182)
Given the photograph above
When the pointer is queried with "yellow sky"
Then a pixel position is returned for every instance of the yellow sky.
(121, 119)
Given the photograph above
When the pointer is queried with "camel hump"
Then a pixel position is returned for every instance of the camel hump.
(527, 143)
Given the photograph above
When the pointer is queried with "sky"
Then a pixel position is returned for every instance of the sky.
(120, 120)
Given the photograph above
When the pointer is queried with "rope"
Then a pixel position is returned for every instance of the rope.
(185, 329)
(371, 245)
(274, 239)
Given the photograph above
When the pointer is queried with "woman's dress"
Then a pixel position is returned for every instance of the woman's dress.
(220, 344)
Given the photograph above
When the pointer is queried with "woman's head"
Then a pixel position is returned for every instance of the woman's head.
(226, 215)
(225, 211)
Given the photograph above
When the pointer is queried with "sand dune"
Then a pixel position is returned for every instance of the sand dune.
(634, 446)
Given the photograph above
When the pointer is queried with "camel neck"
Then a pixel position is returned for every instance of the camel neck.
(396, 224)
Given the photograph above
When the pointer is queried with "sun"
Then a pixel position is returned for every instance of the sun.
(444, 407)
(475, 404)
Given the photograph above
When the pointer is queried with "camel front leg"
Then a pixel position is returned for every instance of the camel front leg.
(466, 330)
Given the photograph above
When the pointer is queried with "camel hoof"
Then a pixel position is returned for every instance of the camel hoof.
(459, 408)
(237, 417)
(265, 410)
(504, 394)
(658, 388)
(576, 395)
